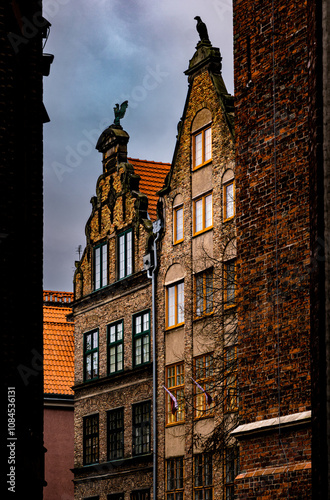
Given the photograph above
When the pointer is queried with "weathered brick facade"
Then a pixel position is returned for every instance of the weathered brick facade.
(119, 208)
(274, 218)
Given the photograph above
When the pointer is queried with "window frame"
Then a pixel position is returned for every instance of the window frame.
(228, 303)
(231, 467)
(103, 266)
(124, 234)
(205, 296)
(91, 436)
(177, 465)
(178, 392)
(224, 193)
(142, 494)
(141, 335)
(115, 345)
(203, 484)
(144, 425)
(90, 352)
(231, 370)
(206, 381)
(202, 131)
(176, 209)
(118, 433)
(202, 198)
(177, 305)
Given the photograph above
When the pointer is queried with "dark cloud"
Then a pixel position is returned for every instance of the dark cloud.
(107, 51)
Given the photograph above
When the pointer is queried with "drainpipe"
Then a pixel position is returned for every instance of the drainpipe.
(157, 226)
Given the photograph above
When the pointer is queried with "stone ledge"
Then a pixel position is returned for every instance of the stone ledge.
(269, 424)
(269, 471)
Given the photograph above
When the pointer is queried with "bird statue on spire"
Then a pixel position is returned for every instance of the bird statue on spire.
(202, 30)
(119, 112)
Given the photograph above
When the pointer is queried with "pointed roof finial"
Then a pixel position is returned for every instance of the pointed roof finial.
(202, 30)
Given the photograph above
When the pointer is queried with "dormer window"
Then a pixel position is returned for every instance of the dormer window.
(100, 266)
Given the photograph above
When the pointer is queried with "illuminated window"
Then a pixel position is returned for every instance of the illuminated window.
(125, 254)
(91, 439)
(115, 434)
(175, 384)
(230, 283)
(178, 224)
(100, 266)
(91, 355)
(231, 393)
(175, 305)
(202, 214)
(141, 428)
(115, 347)
(203, 477)
(141, 338)
(204, 293)
(202, 147)
(231, 471)
(203, 375)
(174, 479)
(228, 200)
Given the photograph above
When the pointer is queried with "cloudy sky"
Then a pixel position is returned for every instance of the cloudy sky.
(107, 51)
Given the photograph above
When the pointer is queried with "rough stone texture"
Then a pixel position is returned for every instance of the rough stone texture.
(274, 230)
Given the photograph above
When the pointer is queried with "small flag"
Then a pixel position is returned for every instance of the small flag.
(208, 396)
(174, 402)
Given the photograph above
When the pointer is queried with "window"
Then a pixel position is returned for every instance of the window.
(203, 480)
(204, 293)
(202, 214)
(91, 355)
(231, 394)
(115, 347)
(202, 147)
(100, 266)
(228, 200)
(140, 495)
(141, 338)
(125, 254)
(91, 439)
(175, 384)
(175, 305)
(231, 471)
(115, 434)
(230, 282)
(178, 224)
(116, 496)
(203, 372)
(141, 428)
(174, 478)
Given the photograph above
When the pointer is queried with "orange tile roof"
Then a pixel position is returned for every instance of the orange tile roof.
(152, 180)
(58, 343)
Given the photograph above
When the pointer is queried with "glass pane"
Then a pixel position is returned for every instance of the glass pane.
(230, 276)
(199, 296)
(198, 149)
(229, 194)
(146, 322)
(112, 360)
(198, 215)
(209, 293)
(138, 351)
(119, 331)
(180, 302)
(179, 224)
(97, 267)
(88, 342)
(95, 364)
(208, 144)
(95, 342)
(208, 211)
(104, 265)
(129, 269)
(88, 367)
(145, 348)
(171, 306)
(122, 256)
(138, 324)
(120, 357)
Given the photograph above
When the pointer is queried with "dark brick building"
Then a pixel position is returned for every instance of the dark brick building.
(22, 30)
(280, 245)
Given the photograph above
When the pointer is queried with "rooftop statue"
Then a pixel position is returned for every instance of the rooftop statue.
(202, 30)
(119, 112)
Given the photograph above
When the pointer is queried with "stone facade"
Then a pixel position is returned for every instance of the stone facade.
(112, 294)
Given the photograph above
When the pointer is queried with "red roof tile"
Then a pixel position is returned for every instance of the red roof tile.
(152, 180)
(58, 343)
